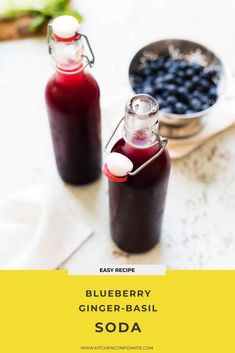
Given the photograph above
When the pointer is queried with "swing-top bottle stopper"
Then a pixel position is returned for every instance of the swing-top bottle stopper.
(65, 27)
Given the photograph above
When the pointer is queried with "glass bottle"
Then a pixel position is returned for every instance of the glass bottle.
(137, 196)
(72, 99)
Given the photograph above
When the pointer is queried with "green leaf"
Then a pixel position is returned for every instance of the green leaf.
(37, 22)
(17, 7)
(39, 9)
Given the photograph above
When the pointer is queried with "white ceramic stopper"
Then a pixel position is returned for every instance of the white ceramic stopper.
(65, 26)
(118, 164)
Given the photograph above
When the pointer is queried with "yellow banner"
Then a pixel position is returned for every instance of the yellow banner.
(182, 312)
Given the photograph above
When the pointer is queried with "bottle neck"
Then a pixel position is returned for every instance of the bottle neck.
(67, 57)
(71, 79)
(141, 121)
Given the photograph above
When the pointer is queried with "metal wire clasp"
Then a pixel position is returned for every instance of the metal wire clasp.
(161, 141)
(89, 61)
(49, 37)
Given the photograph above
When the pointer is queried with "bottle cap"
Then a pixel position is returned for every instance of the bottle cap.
(117, 167)
(65, 27)
(118, 164)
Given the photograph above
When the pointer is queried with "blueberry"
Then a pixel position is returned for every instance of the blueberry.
(147, 71)
(196, 94)
(195, 104)
(182, 92)
(161, 102)
(180, 108)
(138, 89)
(172, 70)
(171, 88)
(159, 87)
(211, 72)
(210, 78)
(212, 83)
(189, 97)
(188, 85)
(174, 65)
(169, 78)
(213, 93)
(159, 79)
(195, 80)
(169, 64)
(160, 73)
(153, 66)
(190, 111)
(165, 94)
(171, 100)
(212, 101)
(197, 68)
(167, 110)
(204, 99)
(189, 73)
(179, 81)
(180, 73)
(161, 61)
(202, 75)
(183, 65)
(149, 81)
(148, 90)
(203, 85)
(205, 106)
(159, 65)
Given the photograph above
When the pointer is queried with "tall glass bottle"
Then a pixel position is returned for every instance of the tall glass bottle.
(72, 98)
(137, 194)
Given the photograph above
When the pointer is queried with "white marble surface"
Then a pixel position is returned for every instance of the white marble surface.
(199, 224)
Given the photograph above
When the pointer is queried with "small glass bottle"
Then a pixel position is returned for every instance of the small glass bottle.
(72, 98)
(138, 168)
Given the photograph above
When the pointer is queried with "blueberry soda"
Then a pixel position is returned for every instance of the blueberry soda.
(137, 205)
(72, 97)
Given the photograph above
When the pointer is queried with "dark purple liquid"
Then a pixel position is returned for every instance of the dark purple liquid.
(74, 115)
(137, 206)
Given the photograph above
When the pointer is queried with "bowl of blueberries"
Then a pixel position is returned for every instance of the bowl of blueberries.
(186, 78)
